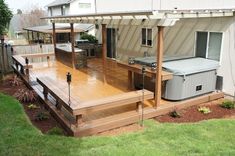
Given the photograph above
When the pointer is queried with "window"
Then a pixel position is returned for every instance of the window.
(147, 37)
(208, 45)
(84, 5)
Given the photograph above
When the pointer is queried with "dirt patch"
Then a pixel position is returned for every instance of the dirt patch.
(192, 114)
(122, 130)
(45, 125)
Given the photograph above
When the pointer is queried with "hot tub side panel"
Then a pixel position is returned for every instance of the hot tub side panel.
(183, 87)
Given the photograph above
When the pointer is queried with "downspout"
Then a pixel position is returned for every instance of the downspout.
(95, 7)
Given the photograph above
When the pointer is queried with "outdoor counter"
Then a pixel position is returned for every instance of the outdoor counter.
(63, 53)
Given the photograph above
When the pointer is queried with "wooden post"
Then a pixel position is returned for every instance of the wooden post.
(72, 44)
(45, 93)
(38, 36)
(104, 44)
(130, 79)
(3, 57)
(32, 37)
(28, 36)
(54, 36)
(159, 58)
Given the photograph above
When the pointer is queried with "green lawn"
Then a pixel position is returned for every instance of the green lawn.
(19, 137)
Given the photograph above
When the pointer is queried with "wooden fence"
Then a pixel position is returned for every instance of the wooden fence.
(6, 51)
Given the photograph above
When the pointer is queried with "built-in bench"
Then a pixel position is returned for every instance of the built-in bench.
(20, 61)
(62, 98)
(79, 108)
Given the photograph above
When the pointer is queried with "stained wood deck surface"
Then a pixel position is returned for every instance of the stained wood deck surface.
(94, 83)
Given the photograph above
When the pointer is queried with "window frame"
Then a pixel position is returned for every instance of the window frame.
(208, 42)
(146, 40)
(83, 3)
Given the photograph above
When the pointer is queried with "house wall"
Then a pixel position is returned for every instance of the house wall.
(123, 5)
(180, 40)
(227, 69)
(137, 5)
(192, 4)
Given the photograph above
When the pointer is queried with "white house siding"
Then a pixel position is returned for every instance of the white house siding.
(123, 5)
(194, 4)
(137, 5)
(227, 69)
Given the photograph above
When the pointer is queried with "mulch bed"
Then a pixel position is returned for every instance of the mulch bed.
(191, 114)
(45, 125)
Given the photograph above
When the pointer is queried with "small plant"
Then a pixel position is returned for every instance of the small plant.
(175, 114)
(204, 110)
(42, 116)
(26, 95)
(228, 104)
(55, 131)
(15, 81)
(33, 106)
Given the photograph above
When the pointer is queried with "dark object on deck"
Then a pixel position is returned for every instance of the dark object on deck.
(26, 61)
(69, 77)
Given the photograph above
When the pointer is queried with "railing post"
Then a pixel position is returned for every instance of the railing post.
(58, 104)
(45, 93)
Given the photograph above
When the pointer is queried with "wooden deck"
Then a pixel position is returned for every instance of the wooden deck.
(90, 86)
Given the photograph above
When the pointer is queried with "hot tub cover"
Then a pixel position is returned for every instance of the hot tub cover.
(190, 66)
(152, 59)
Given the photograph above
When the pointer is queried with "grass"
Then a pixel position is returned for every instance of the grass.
(19, 137)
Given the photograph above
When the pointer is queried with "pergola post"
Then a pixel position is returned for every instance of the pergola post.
(159, 59)
(104, 45)
(54, 36)
(72, 44)
(28, 36)
(38, 36)
(32, 36)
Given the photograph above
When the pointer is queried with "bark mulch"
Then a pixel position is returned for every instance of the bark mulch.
(191, 114)
(45, 125)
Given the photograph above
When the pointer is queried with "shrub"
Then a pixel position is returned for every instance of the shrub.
(175, 114)
(89, 37)
(26, 95)
(33, 106)
(204, 110)
(55, 131)
(42, 116)
(228, 104)
(15, 81)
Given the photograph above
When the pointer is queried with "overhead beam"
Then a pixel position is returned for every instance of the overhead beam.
(159, 59)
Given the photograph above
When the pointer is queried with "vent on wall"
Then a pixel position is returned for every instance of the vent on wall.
(219, 83)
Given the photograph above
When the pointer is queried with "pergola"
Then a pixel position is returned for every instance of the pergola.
(151, 18)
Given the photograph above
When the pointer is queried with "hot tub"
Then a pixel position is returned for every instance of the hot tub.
(192, 77)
